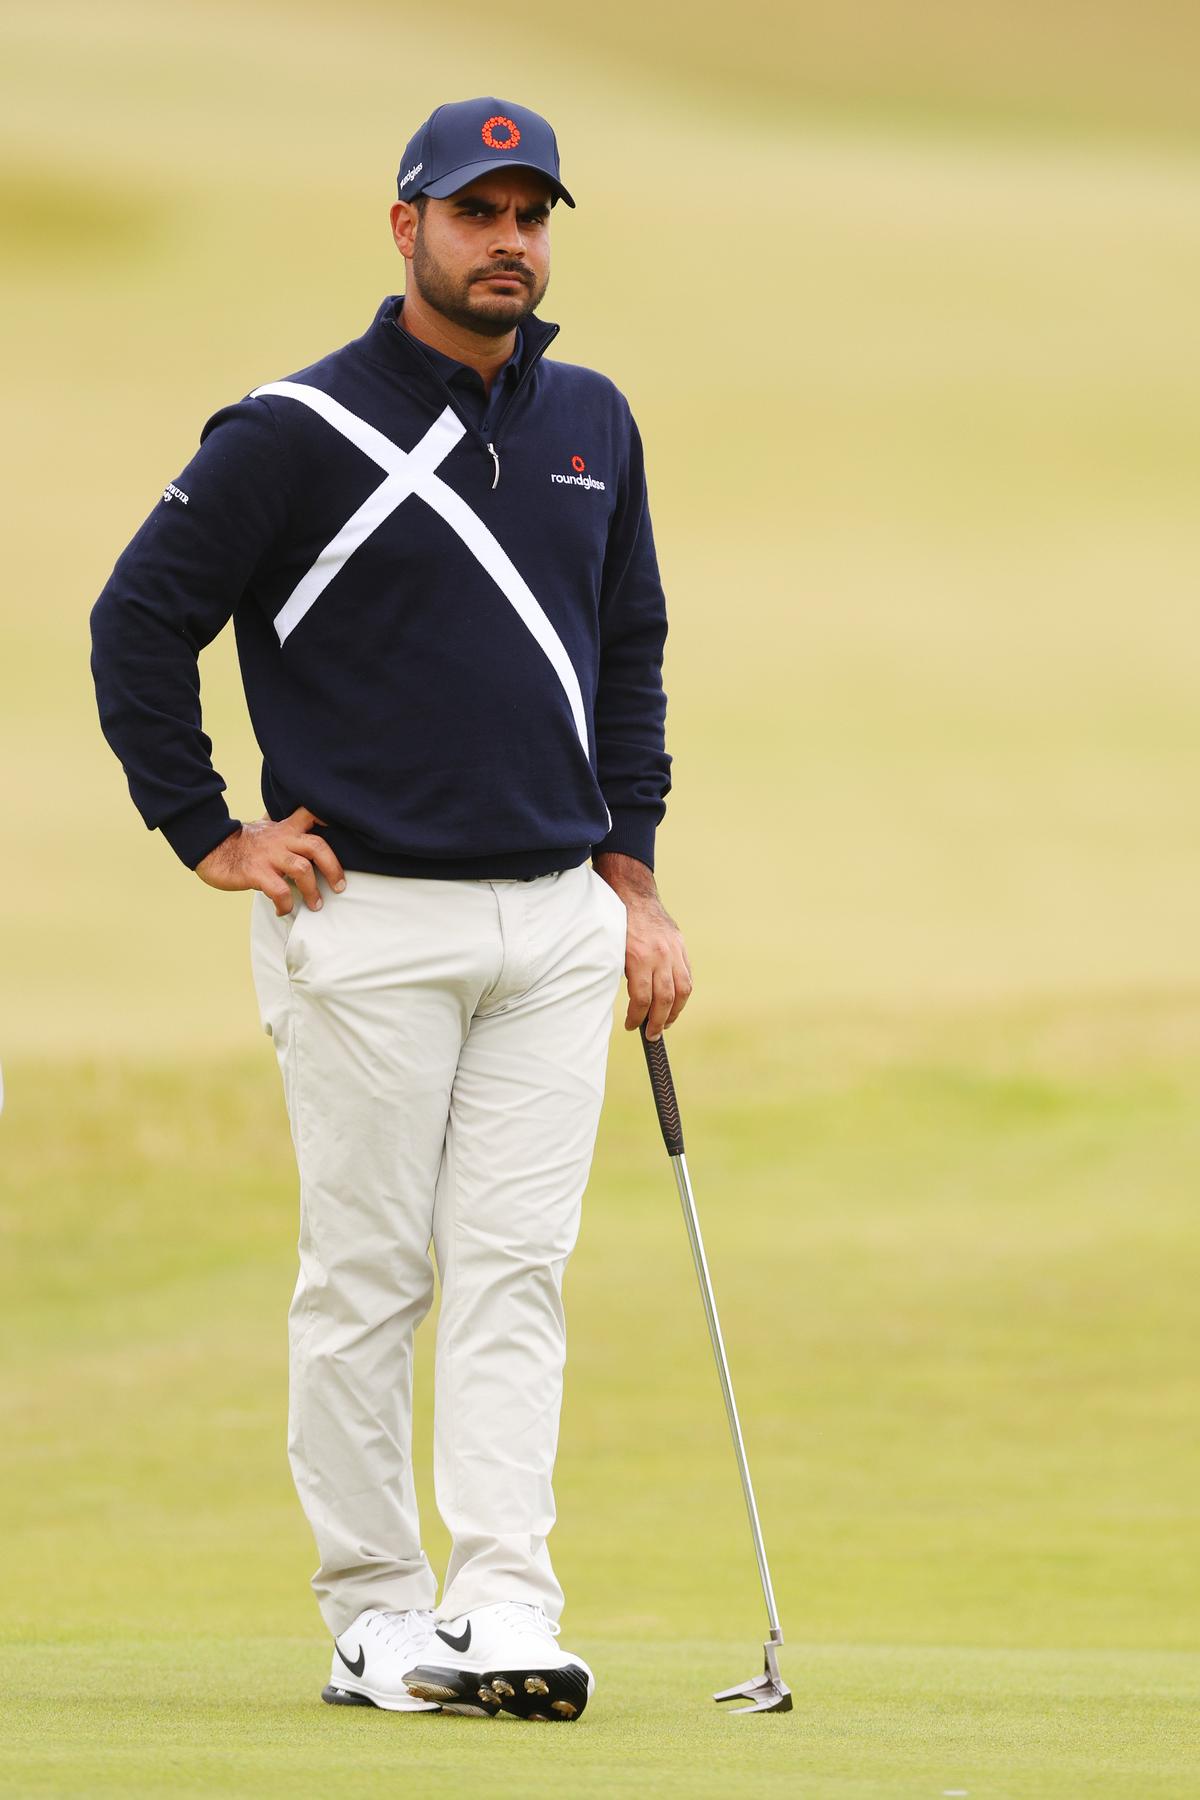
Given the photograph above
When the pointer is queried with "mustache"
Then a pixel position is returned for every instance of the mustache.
(504, 268)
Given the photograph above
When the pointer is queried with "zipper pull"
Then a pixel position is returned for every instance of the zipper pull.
(496, 460)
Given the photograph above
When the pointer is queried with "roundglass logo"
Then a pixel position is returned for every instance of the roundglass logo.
(511, 138)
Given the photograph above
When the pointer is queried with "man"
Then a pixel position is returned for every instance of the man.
(436, 550)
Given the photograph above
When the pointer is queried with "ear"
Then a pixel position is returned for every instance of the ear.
(404, 226)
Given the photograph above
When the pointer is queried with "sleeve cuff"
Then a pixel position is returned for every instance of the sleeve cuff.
(632, 834)
(192, 834)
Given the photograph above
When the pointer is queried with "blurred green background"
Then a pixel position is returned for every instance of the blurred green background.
(904, 298)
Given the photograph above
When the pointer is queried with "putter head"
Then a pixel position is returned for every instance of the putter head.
(768, 1692)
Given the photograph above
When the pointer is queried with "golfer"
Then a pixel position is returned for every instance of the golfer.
(436, 550)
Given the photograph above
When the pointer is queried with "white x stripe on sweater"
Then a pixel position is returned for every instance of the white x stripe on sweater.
(408, 472)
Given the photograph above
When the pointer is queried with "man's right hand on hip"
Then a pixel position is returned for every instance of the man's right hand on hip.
(268, 853)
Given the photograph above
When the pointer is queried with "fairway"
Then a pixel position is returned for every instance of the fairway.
(956, 1267)
(906, 317)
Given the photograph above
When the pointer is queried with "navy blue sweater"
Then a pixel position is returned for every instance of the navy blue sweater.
(448, 613)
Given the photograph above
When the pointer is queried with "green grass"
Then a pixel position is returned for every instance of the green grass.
(956, 1258)
(154, 1715)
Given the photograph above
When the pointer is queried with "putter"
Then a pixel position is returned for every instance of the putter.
(767, 1692)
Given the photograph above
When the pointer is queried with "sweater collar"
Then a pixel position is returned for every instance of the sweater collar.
(389, 343)
(452, 371)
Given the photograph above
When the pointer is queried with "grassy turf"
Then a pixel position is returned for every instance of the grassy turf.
(153, 1715)
(955, 1260)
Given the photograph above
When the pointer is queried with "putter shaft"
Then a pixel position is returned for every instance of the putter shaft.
(666, 1105)
(696, 1240)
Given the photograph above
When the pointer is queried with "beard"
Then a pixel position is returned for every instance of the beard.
(490, 315)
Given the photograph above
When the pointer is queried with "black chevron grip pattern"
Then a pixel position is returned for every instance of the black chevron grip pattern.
(665, 1103)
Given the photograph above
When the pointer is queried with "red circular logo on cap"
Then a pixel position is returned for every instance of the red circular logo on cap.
(578, 464)
(495, 143)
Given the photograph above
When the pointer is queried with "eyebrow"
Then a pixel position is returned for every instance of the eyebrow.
(536, 208)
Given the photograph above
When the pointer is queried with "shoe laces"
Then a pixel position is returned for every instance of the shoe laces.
(520, 1616)
(399, 1629)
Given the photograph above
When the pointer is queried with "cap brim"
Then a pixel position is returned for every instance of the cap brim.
(458, 178)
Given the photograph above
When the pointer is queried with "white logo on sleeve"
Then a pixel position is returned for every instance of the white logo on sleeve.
(171, 492)
(580, 478)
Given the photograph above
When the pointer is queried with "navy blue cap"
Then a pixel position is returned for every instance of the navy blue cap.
(468, 138)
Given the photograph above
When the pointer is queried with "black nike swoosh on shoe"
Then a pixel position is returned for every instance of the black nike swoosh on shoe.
(462, 1643)
(355, 1668)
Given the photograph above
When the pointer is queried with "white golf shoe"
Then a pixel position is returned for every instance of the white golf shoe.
(370, 1657)
(502, 1658)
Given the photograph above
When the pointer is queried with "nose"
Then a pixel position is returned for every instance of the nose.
(506, 238)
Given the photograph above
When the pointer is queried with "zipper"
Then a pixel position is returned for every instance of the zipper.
(530, 366)
(490, 448)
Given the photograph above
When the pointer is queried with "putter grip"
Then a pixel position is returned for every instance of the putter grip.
(665, 1103)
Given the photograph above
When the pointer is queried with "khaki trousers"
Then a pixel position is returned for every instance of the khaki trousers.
(443, 1048)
